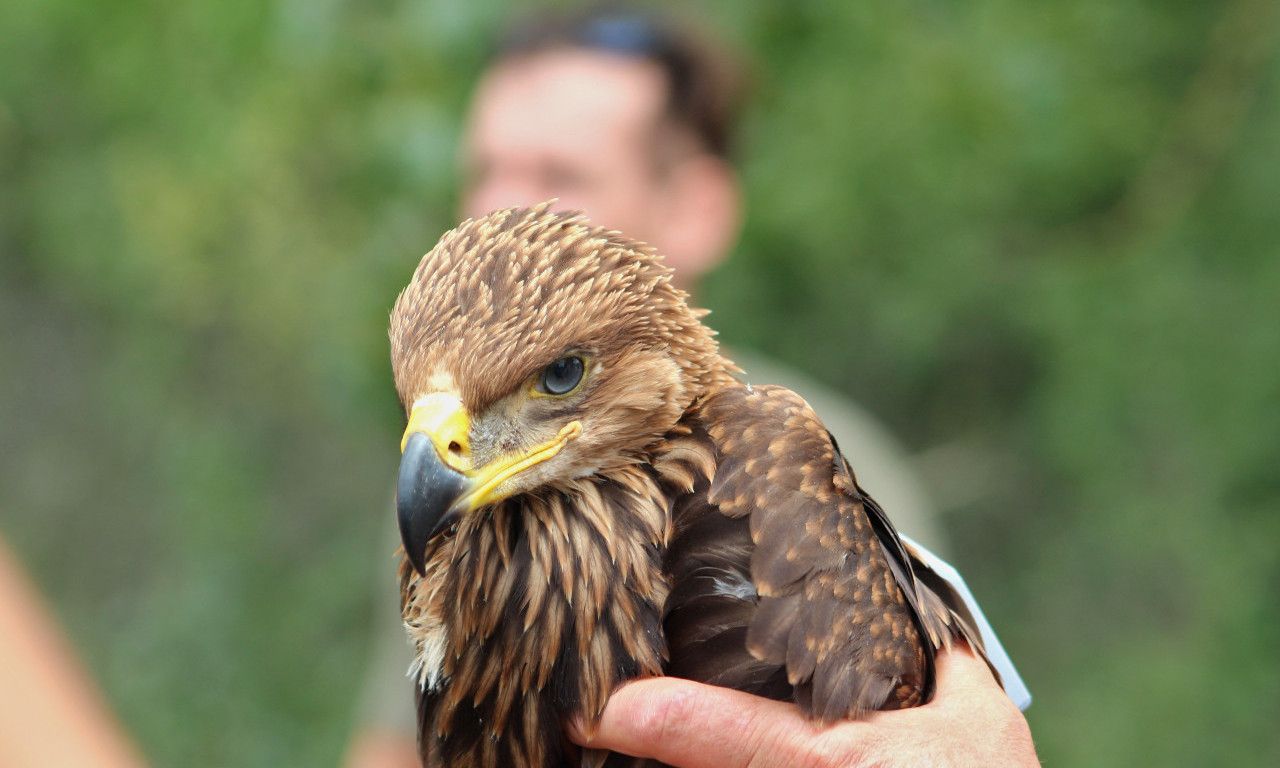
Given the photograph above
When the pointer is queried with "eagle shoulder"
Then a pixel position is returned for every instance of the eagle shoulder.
(834, 620)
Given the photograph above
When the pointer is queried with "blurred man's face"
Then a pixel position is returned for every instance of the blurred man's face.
(575, 125)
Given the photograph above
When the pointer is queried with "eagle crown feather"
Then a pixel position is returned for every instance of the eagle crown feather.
(501, 297)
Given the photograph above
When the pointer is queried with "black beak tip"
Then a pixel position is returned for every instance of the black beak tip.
(425, 497)
(416, 555)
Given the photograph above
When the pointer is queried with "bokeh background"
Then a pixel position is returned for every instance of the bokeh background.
(1040, 240)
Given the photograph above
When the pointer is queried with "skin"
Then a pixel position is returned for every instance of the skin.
(50, 711)
(581, 126)
(970, 722)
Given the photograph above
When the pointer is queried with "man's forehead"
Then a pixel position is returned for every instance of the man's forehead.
(568, 91)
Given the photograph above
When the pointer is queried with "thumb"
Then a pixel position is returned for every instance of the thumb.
(692, 725)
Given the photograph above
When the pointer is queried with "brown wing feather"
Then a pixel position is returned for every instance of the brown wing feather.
(839, 605)
(712, 598)
(941, 611)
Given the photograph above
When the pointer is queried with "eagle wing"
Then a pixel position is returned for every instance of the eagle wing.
(788, 581)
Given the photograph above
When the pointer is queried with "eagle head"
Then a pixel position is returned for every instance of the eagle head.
(532, 350)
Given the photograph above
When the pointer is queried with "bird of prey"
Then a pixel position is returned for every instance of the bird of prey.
(587, 495)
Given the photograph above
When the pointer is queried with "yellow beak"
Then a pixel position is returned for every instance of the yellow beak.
(442, 418)
(438, 481)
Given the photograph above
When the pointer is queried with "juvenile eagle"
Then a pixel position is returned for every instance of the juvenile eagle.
(587, 495)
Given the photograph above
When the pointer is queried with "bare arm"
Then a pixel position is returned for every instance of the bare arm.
(50, 712)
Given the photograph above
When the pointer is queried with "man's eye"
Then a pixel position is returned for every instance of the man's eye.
(561, 377)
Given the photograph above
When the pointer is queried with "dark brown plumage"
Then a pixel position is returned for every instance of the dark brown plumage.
(587, 495)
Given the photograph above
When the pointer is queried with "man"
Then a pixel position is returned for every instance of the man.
(617, 115)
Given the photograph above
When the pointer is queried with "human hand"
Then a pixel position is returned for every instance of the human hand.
(969, 722)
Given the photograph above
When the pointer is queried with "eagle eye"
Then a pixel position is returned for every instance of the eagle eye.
(561, 377)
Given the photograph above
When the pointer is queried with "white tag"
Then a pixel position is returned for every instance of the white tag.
(1013, 685)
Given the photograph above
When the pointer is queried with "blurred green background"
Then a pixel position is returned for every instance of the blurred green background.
(1040, 240)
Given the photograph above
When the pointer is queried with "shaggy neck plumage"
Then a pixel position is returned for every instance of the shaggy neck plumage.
(528, 614)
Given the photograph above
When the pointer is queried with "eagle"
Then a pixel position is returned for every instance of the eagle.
(587, 494)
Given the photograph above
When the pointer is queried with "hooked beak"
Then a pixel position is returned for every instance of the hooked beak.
(438, 483)
(425, 496)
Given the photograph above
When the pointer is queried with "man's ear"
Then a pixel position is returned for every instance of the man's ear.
(702, 216)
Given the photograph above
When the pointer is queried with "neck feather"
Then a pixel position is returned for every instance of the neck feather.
(534, 611)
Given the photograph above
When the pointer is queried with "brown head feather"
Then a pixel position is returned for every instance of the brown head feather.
(502, 296)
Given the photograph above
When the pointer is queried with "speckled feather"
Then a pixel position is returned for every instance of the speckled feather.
(697, 527)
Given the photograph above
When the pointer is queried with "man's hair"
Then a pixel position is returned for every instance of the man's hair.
(704, 83)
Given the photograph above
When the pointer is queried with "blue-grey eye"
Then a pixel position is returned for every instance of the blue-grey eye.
(561, 377)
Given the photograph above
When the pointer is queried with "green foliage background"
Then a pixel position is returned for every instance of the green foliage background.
(1040, 240)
